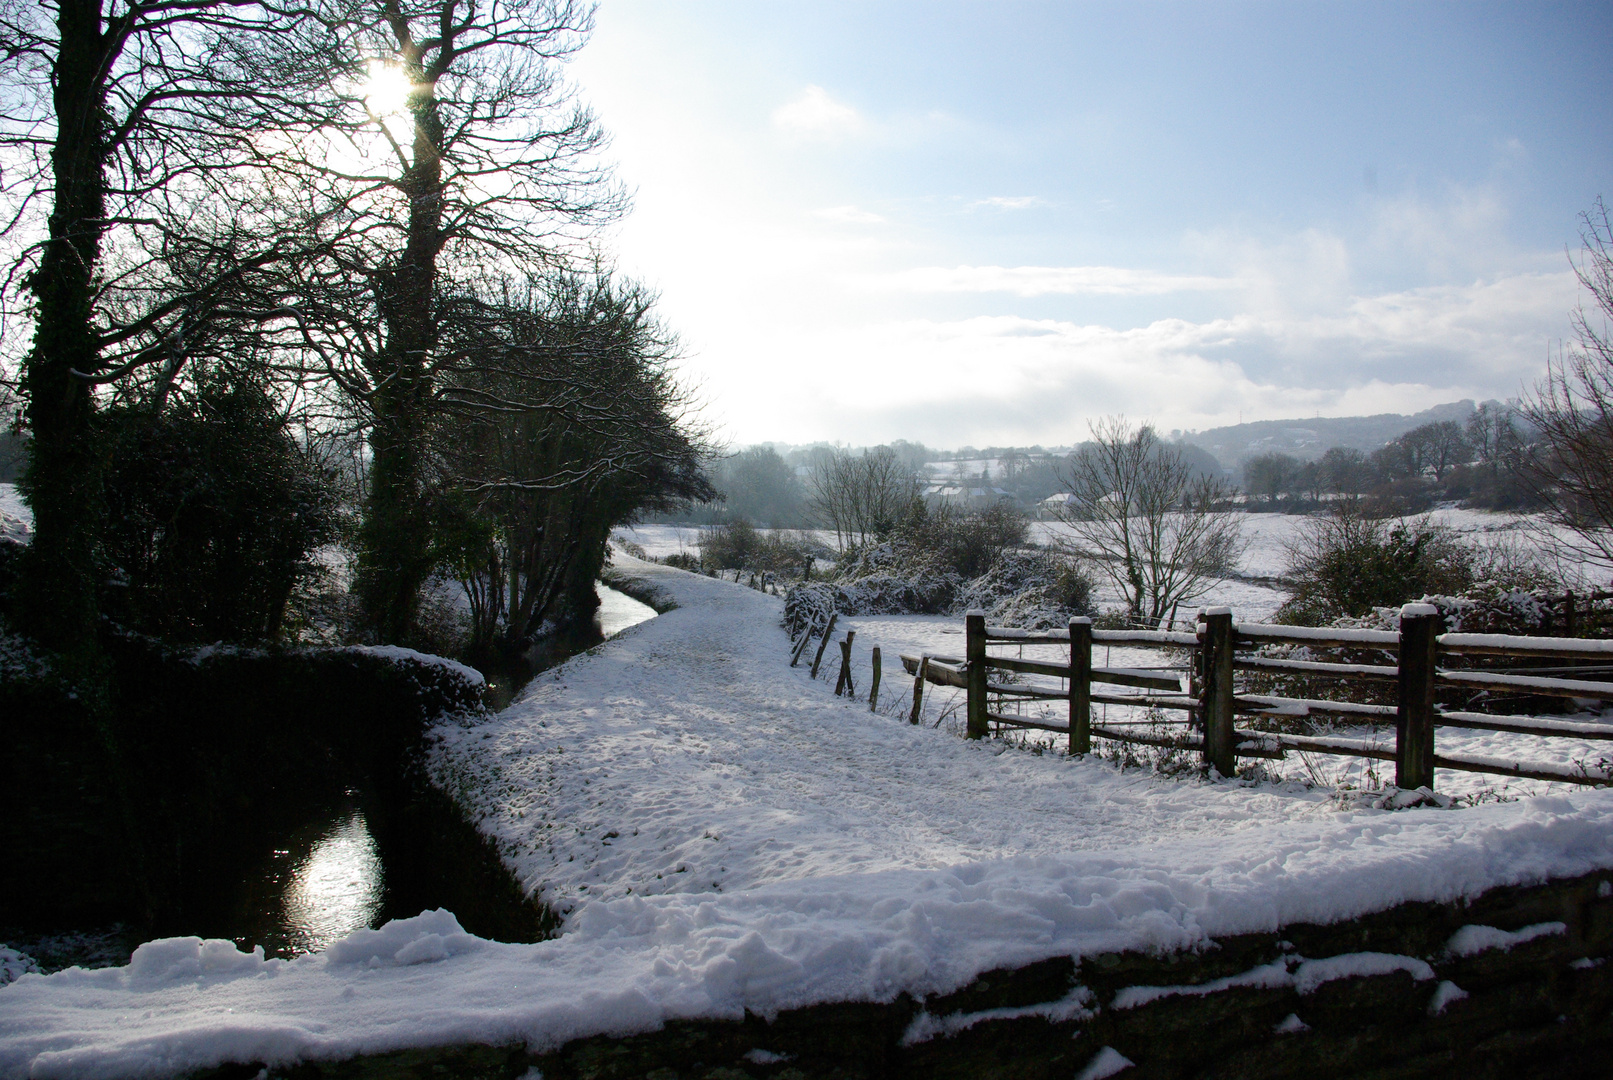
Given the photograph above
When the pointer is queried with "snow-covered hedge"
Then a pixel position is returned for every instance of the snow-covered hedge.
(1032, 589)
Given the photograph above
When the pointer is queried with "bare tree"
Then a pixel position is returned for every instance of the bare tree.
(1270, 475)
(449, 153)
(1345, 469)
(1438, 447)
(563, 421)
(109, 116)
(1573, 405)
(861, 496)
(1148, 519)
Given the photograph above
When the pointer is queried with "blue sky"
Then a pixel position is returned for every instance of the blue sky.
(987, 223)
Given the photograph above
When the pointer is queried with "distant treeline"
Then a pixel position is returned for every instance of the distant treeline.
(1480, 460)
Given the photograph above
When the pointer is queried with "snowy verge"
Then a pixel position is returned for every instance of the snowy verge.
(723, 834)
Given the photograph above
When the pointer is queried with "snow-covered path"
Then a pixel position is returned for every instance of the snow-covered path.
(718, 767)
(727, 835)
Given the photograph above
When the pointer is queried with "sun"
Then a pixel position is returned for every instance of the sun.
(386, 91)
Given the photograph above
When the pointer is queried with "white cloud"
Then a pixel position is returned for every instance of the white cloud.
(1011, 202)
(1008, 379)
(848, 215)
(815, 113)
(1047, 280)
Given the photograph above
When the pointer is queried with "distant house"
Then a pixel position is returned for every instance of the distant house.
(1055, 505)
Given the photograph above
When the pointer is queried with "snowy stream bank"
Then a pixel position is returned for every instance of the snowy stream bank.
(724, 835)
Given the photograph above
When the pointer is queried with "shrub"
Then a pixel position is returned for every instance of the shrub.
(731, 546)
(809, 606)
(214, 512)
(683, 560)
(736, 545)
(1036, 590)
(967, 543)
(1346, 564)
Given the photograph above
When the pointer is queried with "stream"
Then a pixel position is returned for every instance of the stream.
(330, 859)
(329, 876)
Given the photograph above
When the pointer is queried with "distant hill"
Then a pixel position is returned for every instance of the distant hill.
(1309, 438)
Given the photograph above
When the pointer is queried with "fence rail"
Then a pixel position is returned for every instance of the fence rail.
(1203, 688)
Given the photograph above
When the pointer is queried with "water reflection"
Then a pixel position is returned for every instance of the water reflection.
(336, 889)
(618, 611)
(326, 881)
(325, 878)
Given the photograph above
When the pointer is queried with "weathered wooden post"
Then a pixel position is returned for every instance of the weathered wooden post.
(1080, 686)
(843, 683)
(918, 689)
(974, 627)
(1215, 659)
(1420, 627)
(873, 685)
(801, 646)
(827, 630)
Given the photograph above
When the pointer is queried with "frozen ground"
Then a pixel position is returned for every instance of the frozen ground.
(723, 834)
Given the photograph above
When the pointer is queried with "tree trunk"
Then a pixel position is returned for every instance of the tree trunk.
(396, 537)
(63, 478)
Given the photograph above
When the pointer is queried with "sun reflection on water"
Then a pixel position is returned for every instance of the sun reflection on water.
(336, 889)
(617, 611)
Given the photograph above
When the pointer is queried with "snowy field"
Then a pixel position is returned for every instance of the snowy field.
(1253, 597)
(1253, 594)
(722, 834)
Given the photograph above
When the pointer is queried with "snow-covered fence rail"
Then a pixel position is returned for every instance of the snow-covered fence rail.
(1201, 686)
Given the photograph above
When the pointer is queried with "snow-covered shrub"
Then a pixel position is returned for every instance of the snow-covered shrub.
(967, 543)
(683, 560)
(1346, 564)
(14, 965)
(892, 577)
(808, 605)
(1034, 590)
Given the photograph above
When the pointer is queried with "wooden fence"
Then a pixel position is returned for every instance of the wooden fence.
(1425, 669)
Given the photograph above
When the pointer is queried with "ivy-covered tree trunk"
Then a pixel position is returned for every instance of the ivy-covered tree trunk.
(63, 478)
(396, 542)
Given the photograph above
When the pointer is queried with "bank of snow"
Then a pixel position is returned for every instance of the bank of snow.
(725, 835)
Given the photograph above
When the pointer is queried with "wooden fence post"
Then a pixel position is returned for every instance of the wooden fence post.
(974, 624)
(1420, 627)
(800, 646)
(1080, 686)
(843, 683)
(827, 630)
(873, 686)
(1215, 659)
(918, 689)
